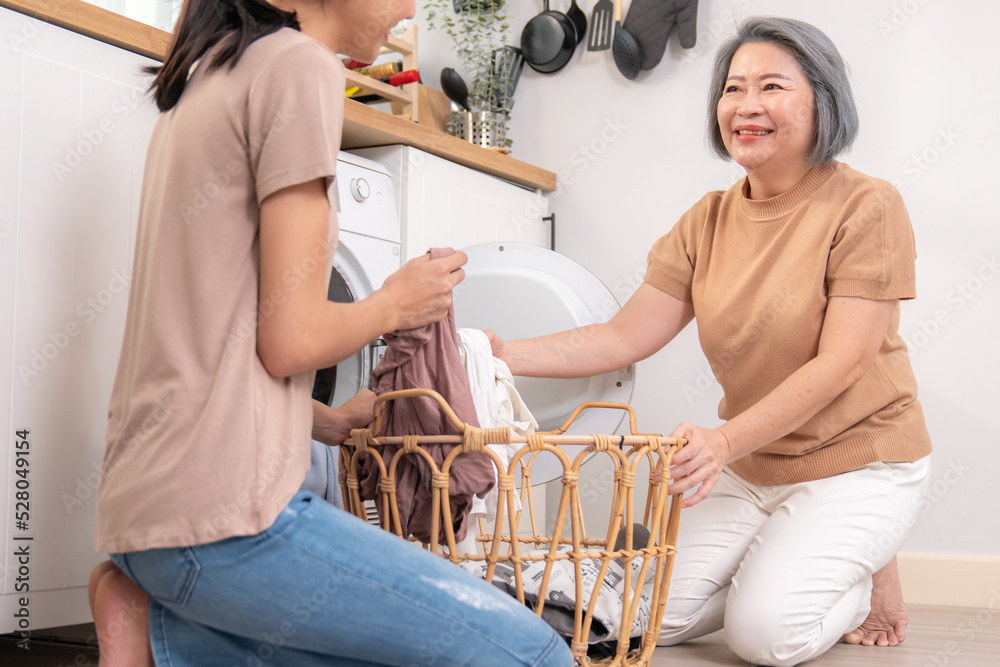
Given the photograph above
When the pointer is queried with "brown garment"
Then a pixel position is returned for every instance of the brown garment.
(427, 357)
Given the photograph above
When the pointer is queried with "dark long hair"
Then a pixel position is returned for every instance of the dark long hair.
(233, 24)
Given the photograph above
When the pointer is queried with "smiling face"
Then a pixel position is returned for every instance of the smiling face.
(767, 117)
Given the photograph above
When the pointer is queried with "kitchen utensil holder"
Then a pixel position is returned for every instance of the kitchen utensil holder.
(484, 128)
(505, 540)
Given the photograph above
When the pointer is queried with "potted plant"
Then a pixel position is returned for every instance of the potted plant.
(479, 30)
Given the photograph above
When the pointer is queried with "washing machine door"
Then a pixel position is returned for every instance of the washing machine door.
(349, 282)
(523, 291)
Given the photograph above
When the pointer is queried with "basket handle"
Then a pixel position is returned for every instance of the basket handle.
(410, 393)
(598, 404)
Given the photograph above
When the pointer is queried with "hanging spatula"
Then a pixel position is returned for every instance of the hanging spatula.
(601, 26)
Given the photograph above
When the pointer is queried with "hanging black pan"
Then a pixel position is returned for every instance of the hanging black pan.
(548, 40)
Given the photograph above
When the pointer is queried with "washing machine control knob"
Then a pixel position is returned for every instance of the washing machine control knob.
(360, 189)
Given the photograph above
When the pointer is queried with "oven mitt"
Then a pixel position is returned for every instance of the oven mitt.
(650, 22)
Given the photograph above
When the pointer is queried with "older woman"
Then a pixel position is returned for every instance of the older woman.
(801, 498)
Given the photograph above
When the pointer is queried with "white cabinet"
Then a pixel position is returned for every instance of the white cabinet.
(74, 126)
(441, 203)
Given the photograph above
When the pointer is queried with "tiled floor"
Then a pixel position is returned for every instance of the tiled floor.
(937, 637)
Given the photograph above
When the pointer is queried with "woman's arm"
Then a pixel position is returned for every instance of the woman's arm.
(853, 331)
(298, 328)
(647, 322)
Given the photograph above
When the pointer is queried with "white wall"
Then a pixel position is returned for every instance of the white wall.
(631, 158)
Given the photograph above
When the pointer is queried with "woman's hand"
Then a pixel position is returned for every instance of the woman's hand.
(420, 292)
(699, 462)
(332, 426)
(498, 345)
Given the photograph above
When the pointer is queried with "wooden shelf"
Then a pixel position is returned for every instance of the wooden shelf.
(101, 24)
(364, 126)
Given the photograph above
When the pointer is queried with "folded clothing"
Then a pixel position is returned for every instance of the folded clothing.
(560, 595)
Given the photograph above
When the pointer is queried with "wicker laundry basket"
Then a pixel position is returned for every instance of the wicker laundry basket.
(645, 567)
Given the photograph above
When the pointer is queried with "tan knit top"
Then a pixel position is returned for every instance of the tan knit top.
(759, 273)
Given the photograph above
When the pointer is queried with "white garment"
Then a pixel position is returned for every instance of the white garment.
(497, 405)
(787, 570)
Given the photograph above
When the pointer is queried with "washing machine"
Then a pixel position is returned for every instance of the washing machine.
(368, 252)
(524, 291)
(513, 283)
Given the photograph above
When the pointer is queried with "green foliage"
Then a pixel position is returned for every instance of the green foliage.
(478, 28)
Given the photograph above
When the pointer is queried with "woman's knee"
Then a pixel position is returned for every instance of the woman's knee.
(686, 619)
(763, 634)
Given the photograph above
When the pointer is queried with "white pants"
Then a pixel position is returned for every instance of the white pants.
(787, 570)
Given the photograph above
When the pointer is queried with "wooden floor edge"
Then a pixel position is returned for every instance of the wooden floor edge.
(951, 580)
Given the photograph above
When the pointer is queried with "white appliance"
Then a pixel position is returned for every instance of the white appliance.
(368, 252)
(514, 284)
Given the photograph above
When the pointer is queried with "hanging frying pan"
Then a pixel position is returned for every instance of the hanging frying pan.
(548, 41)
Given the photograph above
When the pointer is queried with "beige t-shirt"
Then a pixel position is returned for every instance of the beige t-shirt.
(202, 442)
(759, 274)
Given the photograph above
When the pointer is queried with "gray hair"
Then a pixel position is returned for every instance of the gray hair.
(836, 116)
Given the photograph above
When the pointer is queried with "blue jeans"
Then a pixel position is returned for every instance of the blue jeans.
(323, 587)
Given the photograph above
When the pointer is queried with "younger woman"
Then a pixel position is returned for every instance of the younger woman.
(210, 417)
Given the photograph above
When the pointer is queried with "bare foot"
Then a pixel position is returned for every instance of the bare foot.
(121, 615)
(886, 624)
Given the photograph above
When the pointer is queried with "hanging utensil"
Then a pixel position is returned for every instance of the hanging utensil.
(454, 87)
(579, 19)
(625, 48)
(601, 22)
(508, 62)
(548, 41)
